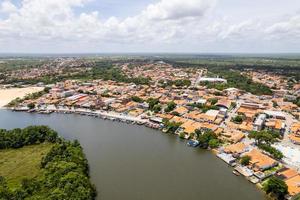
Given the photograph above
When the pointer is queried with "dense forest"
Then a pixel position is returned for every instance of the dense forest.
(65, 172)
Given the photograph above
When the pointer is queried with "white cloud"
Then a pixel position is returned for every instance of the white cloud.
(289, 28)
(167, 24)
(177, 9)
(7, 7)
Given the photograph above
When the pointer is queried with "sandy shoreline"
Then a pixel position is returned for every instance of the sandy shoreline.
(7, 95)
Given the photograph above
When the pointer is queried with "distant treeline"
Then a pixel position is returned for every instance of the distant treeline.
(289, 67)
(65, 171)
(101, 70)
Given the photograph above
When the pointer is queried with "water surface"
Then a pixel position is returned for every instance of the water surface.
(133, 162)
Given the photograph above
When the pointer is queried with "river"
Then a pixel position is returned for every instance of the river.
(133, 162)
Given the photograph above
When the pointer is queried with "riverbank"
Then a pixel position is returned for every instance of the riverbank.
(141, 120)
(135, 162)
(60, 171)
(7, 95)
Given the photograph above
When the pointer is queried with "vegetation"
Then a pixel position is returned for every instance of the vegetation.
(100, 70)
(264, 139)
(64, 172)
(182, 135)
(238, 119)
(31, 135)
(171, 127)
(276, 187)
(232, 73)
(212, 101)
(137, 99)
(245, 160)
(152, 103)
(22, 163)
(170, 106)
(204, 108)
(208, 139)
(287, 65)
(271, 150)
(31, 96)
(177, 83)
(214, 143)
(156, 108)
(31, 105)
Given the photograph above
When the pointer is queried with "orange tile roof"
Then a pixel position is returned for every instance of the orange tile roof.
(235, 148)
(181, 110)
(260, 160)
(178, 119)
(288, 173)
(294, 138)
(165, 116)
(246, 126)
(293, 185)
(295, 127)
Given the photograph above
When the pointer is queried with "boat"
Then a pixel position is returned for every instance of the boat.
(236, 173)
(193, 143)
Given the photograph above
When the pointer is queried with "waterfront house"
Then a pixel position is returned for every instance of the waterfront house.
(260, 161)
(236, 149)
(293, 185)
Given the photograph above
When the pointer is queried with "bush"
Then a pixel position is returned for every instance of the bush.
(245, 160)
(271, 150)
(170, 106)
(276, 187)
(214, 143)
(31, 105)
(137, 99)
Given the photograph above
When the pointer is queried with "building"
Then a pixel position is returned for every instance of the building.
(212, 80)
(259, 122)
(260, 161)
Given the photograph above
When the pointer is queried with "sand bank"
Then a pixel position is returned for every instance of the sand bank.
(6, 95)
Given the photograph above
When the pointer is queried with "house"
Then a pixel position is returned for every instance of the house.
(286, 173)
(293, 185)
(181, 110)
(232, 136)
(259, 122)
(275, 114)
(236, 149)
(223, 103)
(260, 161)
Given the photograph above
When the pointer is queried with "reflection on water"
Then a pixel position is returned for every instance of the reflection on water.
(133, 162)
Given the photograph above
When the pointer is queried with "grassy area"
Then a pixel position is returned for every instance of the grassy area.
(17, 164)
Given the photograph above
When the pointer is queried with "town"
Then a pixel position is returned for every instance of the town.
(257, 134)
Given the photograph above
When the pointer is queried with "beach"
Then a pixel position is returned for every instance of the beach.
(7, 95)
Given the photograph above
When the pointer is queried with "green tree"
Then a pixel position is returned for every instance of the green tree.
(264, 137)
(214, 143)
(238, 119)
(245, 160)
(152, 102)
(31, 105)
(213, 101)
(276, 187)
(137, 99)
(170, 106)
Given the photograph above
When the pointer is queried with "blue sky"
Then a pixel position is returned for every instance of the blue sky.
(187, 26)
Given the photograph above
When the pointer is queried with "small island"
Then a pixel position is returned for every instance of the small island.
(38, 164)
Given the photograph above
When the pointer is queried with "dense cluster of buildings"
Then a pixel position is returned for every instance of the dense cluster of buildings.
(50, 68)
(196, 108)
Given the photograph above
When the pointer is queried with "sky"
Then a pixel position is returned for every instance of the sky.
(149, 26)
